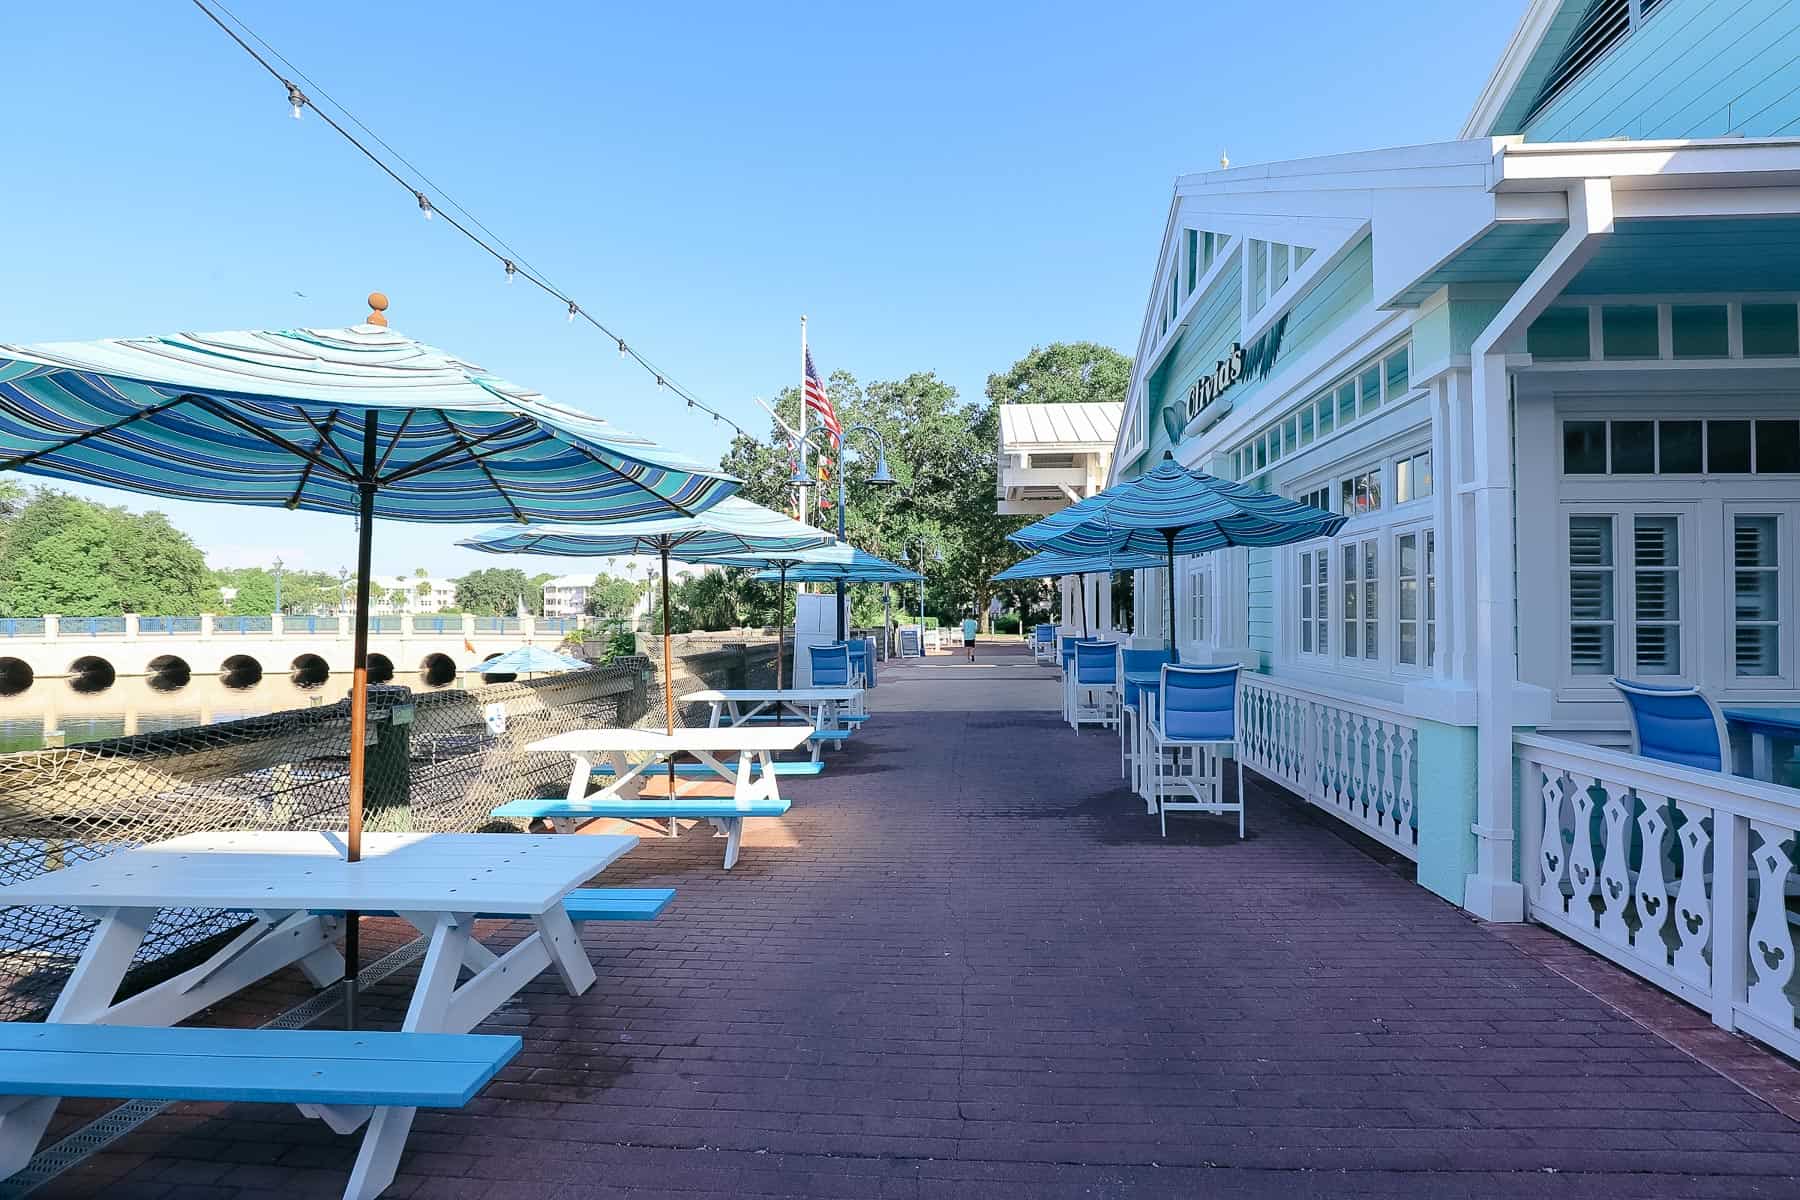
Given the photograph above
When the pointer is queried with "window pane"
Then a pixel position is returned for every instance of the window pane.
(1629, 331)
(1371, 390)
(1371, 593)
(1352, 601)
(1633, 448)
(1306, 426)
(1679, 447)
(1422, 481)
(1656, 594)
(1346, 403)
(1408, 650)
(1728, 447)
(1584, 447)
(1408, 566)
(1278, 268)
(1559, 333)
(1591, 595)
(1403, 481)
(1770, 329)
(1756, 597)
(1397, 376)
(1325, 414)
(1290, 435)
(1699, 331)
(1777, 447)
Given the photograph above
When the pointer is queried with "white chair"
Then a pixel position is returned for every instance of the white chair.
(1185, 739)
(1093, 686)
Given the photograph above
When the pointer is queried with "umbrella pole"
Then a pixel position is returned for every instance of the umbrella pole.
(668, 677)
(1169, 536)
(1081, 586)
(780, 624)
(359, 714)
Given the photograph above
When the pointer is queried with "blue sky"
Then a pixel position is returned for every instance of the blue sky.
(938, 186)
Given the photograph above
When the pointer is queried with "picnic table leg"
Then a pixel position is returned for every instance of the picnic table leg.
(85, 998)
(734, 836)
(566, 953)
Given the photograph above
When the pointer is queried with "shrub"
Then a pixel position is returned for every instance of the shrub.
(1006, 624)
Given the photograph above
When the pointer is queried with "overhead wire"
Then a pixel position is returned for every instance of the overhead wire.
(514, 265)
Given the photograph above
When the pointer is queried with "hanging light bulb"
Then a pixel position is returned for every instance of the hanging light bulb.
(659, 382)
(424, 205)
(511, 270)
(297, 98)
(621, 347)
(572, 311)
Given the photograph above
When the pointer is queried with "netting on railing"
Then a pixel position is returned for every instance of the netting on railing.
(437, 761)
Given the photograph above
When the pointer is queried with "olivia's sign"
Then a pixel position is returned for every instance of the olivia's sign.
(1239, 364)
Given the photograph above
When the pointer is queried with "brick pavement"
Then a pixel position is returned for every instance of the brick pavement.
(966, 966)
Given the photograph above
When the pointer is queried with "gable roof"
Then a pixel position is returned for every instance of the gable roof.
(1059, 425)
(1527, 62)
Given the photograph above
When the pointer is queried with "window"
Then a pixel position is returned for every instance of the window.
(1361, 493)
(1371, 390)
(1361, 590)
(1756, 604)
(1416, 625)
(1734, 446)
(1396, 370)
(1412, 477)
(1200, 605)
(1430, 597)
(1591, 617)
(1325, 414)
(1319, 497)
(1315, 617)
(1656, 594)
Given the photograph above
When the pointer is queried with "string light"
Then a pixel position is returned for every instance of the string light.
(492, 243)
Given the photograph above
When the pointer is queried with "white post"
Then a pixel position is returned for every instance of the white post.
(800, 442)
(1493, 892)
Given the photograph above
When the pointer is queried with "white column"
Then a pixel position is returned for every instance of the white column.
(1493, 892)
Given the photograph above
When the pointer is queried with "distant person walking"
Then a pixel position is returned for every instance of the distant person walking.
(970, 628)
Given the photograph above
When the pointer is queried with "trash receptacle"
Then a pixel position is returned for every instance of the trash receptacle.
(387, 765)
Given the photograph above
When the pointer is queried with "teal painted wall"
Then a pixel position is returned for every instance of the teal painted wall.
(1446, 808)
(1448, 330)
(1694, 68)
(1260, 585)
(1211, 329)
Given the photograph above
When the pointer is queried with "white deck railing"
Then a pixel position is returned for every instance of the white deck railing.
(1351, 756)
(1684, 877)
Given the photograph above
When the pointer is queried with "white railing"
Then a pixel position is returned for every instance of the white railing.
(1354, 758)
(1684, 877)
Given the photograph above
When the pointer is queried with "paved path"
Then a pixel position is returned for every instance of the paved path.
(966, 966)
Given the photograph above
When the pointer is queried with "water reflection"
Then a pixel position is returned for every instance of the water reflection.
(132, 705)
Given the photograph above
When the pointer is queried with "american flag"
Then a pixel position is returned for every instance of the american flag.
(818, 403)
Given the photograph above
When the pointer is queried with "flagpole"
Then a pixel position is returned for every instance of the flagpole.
(801, 474)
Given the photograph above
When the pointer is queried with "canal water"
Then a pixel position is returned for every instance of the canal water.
(134, 705)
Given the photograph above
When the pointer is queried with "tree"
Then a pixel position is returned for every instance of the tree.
(71, 556)
(493, 591)
(253, 591)
(710, 601)
(1064, 373)
(613, 599)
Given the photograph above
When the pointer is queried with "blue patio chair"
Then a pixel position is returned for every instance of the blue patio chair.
(1094, 685)
(1043, 645)
(1132, 708)
(1676, 723)
(1065, 656)
(1195, 719)
(830, 665)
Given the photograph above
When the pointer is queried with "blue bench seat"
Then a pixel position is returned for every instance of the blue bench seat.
(830, 735)
(290, 1066)
(589, 904)
(723, 811)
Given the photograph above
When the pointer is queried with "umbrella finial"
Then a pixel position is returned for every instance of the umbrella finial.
(378, 303)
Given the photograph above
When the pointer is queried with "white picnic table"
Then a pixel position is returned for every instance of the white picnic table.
(818, 706)
(296, 886)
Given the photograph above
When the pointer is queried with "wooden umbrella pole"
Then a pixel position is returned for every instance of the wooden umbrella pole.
(780, 624)
(359, 706)
(668, 676)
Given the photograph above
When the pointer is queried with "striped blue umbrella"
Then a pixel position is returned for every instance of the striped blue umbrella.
(1173, 511)
(523, 660)
(1048, 563)
(837, 563)
(360, 421)
(723, 533)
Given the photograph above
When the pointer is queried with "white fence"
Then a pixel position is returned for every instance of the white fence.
(1357, 760)
(1684, 877)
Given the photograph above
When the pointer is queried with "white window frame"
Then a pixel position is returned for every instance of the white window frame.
(1785, 626)
(1322, 606)
(1199, 602)
(1624, 515)
(1424, 619)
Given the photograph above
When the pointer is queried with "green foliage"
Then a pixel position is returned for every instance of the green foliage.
(1006, 623)
(612, 599)
(495, 591)
(71, 556)
(1064, 373)
(710, 600)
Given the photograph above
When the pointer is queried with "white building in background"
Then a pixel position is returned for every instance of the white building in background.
(567, 595)
(394, 594)
(1052, 455)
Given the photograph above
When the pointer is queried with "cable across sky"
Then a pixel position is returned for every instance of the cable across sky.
(432, 199)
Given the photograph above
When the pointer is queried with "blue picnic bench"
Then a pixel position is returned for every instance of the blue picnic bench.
(697, 804)
(586, 904)
(702, 771)
(357, 1074)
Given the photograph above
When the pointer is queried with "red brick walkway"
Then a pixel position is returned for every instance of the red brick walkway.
(966, 966)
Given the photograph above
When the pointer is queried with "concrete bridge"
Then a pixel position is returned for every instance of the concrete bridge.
(91, 652)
